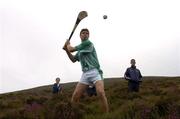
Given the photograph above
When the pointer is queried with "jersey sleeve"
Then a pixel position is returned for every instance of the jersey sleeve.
(76, 56)
(88, 49)
(83, 45)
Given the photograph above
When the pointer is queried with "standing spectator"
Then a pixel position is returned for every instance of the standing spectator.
(57, 87)
(134, 77)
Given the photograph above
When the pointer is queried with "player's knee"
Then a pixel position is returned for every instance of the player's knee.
(75, 97)
(101, 93)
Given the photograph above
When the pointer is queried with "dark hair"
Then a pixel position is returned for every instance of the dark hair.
(57, 78)
(133, 60)
(85, 29)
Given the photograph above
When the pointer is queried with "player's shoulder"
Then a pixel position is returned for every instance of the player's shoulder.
(88, 44)
(88, 41)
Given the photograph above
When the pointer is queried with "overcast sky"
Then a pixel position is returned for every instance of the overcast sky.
(33, 32)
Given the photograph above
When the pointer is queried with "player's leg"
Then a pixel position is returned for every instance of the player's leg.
(78, 92)
(101, 93)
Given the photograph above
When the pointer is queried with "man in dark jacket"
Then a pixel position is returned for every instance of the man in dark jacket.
(57, 87)
(134, 77)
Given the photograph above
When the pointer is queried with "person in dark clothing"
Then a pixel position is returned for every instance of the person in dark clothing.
(57, 87)
(134, 77)
(91, 90)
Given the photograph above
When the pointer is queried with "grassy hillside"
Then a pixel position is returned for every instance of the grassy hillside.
(159, 98)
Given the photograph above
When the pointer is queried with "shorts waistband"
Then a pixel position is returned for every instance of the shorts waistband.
(89, 70)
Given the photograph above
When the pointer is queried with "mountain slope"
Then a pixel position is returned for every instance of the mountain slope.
(158, 99)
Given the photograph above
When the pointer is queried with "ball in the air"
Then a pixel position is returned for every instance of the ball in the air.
(104, 16)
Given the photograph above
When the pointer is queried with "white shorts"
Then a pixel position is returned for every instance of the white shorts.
(90, 77)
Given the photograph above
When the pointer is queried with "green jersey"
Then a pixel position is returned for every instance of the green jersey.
(87, 56)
